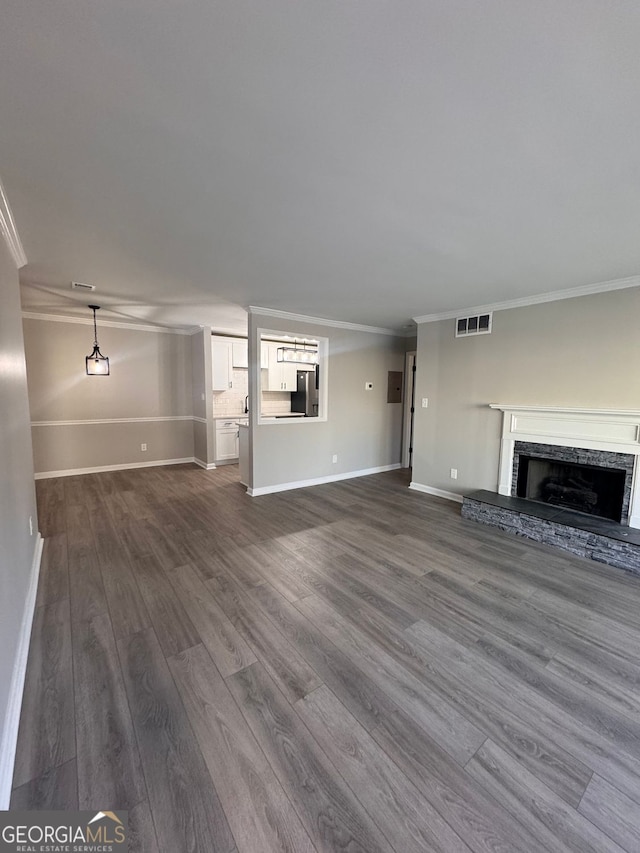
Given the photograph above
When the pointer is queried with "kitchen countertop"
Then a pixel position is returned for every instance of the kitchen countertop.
(283, 415)
(242, 420)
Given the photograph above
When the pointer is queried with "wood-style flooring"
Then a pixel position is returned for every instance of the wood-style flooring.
(350, 667)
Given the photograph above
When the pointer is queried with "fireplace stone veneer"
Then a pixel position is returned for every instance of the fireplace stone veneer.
(601, 437)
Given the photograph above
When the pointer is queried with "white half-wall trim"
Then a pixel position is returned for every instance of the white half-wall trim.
(72, 472)
(616, 430)
(12, 718)
(318, 481)
(208, 466)
(438, 493)
(114, 421)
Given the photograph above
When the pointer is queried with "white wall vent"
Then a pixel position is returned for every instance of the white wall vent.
(479, 324)
(78, 285)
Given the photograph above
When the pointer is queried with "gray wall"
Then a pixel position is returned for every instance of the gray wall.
(151, 377)
(17, 494)
(362, 428)
(581, 352)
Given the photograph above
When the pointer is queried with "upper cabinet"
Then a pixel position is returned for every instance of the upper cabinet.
(226, 355)
(281, 375)
(239, 354)
(222, 365)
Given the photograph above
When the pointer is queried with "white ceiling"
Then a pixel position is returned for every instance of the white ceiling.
(361, 160)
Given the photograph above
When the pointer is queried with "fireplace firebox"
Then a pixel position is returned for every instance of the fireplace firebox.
(594, 482)
(585, 488)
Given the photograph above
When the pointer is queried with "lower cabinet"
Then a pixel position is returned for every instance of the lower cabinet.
(227, 444)
(226, 440)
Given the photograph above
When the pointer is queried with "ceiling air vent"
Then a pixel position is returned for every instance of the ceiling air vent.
(78, 285)
(479, 324)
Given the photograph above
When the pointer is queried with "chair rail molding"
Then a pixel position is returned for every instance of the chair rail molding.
(115, 421)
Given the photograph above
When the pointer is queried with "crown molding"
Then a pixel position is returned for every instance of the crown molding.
(552, 296)
(322, 321)
(114, 324)
(10, 231)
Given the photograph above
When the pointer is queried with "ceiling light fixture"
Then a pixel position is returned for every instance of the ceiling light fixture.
(97, 364)
(298, 355)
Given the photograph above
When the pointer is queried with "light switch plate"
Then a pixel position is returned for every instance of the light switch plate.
(425, 402)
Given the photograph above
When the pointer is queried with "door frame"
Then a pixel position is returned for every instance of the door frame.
(409, 408)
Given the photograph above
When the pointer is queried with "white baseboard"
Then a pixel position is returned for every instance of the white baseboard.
(634, 521)
(71, 472)
(9, 739)
(318, 481)
(208, 466)
(438, 493)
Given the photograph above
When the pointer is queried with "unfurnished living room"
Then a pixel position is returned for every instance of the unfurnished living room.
(320, 426)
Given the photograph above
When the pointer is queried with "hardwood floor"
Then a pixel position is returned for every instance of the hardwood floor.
(349, 667)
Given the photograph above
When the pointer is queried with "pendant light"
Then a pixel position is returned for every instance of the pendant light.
(97, 364)
(296, 354)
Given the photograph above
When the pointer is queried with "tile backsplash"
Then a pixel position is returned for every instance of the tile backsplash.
(230, 403)
(275, 402)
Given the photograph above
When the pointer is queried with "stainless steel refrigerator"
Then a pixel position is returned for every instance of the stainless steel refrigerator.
(305, 398)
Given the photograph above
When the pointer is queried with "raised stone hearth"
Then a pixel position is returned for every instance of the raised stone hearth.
(586, 536)
(592, 466)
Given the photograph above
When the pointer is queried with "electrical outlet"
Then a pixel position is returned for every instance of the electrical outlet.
(335, 458)
(368, 386)
(425, 402)
(30, 525)
(454, 473)
(143, 447)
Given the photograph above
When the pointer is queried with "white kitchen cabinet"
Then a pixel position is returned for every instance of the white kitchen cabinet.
(239, 354)
(226, 355)
(226, 439)
(222, 365)
(282, 375)
(226, 444)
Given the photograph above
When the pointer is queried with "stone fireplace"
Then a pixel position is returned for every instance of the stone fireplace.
(568, 477)
(600, 437)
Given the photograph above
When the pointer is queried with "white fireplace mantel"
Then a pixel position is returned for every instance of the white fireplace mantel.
(616, 430)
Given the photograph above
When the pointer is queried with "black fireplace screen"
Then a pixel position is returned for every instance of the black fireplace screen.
(585, 488)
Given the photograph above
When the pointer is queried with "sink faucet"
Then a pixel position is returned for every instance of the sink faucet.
(246, 405)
